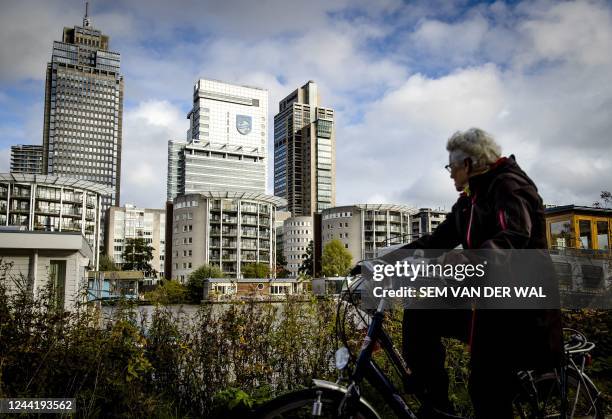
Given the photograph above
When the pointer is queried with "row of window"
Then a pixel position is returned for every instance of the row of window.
(340, 225)
(337, 215)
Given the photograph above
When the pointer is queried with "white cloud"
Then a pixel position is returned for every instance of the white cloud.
(401, 77)
(146, 131)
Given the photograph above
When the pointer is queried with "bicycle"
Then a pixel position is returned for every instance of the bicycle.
(565, 393)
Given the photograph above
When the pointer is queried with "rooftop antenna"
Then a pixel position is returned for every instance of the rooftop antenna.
(86, 20)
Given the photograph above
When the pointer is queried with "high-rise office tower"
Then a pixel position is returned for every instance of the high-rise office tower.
(304, 152)
(83, 109)
(226, 141)
(26, 158)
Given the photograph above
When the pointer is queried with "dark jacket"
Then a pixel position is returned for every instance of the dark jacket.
(503, 211)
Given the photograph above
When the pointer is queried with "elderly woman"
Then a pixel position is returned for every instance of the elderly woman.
(498, 208)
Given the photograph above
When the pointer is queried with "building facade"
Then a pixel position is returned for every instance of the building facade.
(37, 258)
(82, 128)
(196, 166)
(176, 165)
(130, 222)
(228, 229)
(26, 158)
(219, 289)
(53, 204)
(579, 227)
(304, 152)
(281, 216)
(425, 221)
(365, 227)
(298, 232)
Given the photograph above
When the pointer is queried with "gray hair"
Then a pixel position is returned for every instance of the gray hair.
(476, 144)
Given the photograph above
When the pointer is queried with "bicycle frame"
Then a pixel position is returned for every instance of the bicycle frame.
(367, 368)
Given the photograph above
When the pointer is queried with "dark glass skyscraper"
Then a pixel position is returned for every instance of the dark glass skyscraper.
(83, 109)
(304, 152)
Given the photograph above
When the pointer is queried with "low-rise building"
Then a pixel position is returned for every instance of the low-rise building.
(425, 221)
(298, 232)
(216, 289)
(579, 227)
(38, 259)
(49, 229)
(130, 222)
(228, 229)
(363, 228)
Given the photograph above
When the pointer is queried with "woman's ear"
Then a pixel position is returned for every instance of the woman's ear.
(468, 163)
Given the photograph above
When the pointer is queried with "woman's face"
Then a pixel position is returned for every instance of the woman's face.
(459, 169)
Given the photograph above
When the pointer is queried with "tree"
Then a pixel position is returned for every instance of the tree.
(281, 265)
(307, 264)
(255, 270)
(336, 260)
(606, 197)
(195, 282)
(137, 255)
(107, 264)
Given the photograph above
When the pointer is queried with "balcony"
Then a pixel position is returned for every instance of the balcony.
(230, 232)
(248, 233)
(76, 199)
(230, 208)
(47, 210)
(47, 196)
(249, 220)
(73, 212)
(20, 210)
(248, 209)
(20, 193)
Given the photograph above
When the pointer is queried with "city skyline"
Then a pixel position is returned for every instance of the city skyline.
(400, 78)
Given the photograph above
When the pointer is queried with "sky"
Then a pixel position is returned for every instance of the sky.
(401, 76)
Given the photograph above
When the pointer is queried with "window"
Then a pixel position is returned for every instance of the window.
(584, 227)
(560, 234)
(603, 242)
(57, 276)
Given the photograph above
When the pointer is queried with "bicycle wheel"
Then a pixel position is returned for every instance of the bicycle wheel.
(299, 404)
(583, 400)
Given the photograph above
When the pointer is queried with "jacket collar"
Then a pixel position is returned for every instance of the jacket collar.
(478, 182)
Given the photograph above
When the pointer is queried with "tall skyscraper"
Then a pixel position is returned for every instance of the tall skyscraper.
(226, 141)
(26, 158)
(304, 152)
(83, 109)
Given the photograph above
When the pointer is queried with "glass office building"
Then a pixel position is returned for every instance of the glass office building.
(83, 110)
(304, 152)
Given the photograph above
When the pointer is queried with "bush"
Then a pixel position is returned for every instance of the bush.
(216, 362)
(168, 292)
